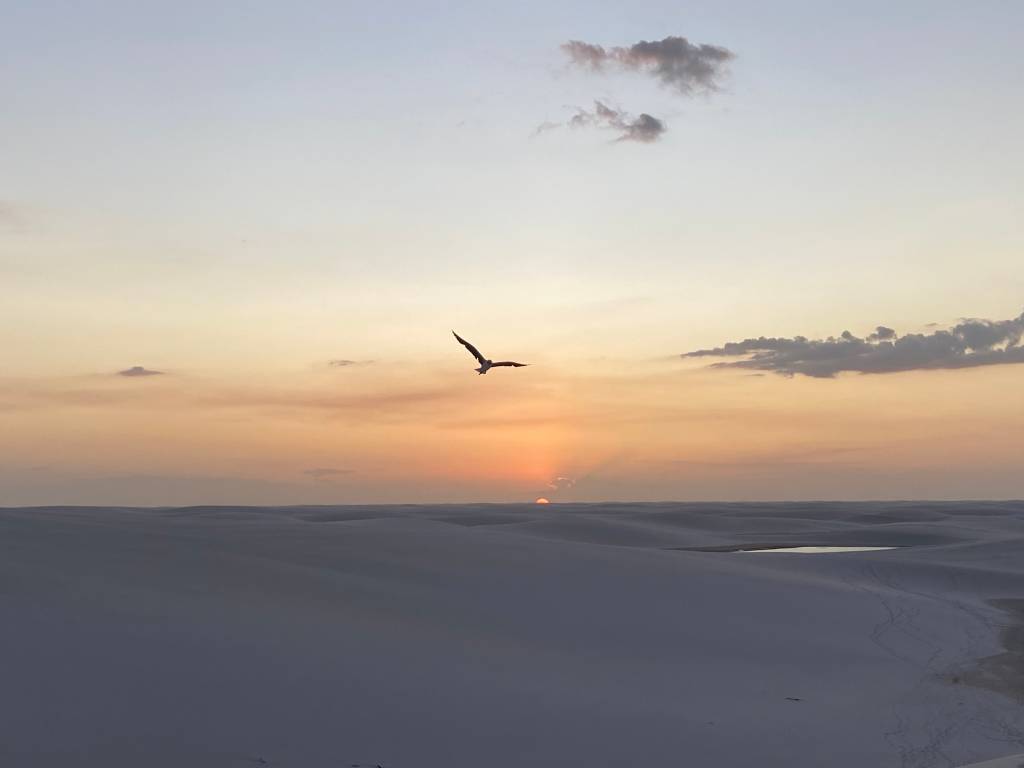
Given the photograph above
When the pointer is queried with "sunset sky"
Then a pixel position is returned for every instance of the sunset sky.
(235, 238)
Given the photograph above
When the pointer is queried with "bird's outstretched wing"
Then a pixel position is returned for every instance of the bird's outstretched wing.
(509, 364)
(472, 350)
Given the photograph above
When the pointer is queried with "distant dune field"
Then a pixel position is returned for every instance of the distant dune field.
(501, 636)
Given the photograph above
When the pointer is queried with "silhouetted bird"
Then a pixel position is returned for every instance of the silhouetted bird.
(485, 364)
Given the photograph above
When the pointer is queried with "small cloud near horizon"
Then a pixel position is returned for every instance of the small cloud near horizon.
(561, 483)
(341, 363)
(969, 344)
(326, 473)
(138, 370)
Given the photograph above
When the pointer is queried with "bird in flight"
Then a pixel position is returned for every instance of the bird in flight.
(485, 364)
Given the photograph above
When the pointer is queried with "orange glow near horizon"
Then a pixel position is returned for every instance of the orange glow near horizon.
(643, 432)
(542, 500)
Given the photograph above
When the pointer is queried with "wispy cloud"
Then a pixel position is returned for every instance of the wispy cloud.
(389, 406)
(644, 128)
(326, 473)
(547, 125)
(342, 363)
(674, 61)
(138, 370)
(970, 343)
(561, 483)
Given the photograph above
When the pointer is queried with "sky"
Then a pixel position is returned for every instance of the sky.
(235, 238)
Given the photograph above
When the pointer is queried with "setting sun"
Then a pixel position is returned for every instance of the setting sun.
(542, 500)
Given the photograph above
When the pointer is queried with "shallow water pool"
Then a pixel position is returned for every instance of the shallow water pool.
(817, 550)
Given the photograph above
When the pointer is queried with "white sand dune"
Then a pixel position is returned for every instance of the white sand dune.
(501, 636)
(1013, 761)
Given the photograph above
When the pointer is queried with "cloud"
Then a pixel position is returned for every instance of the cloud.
(677, 63)
(546, 126)
(674, 61)
(385, 401)
(341, 363)
(882, 334)
(561, 483)
(326, 473)
(969, 344)
(138, 370)
(644, 128)
(386, 406)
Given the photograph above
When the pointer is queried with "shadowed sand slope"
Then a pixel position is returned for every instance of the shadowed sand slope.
(449, 636)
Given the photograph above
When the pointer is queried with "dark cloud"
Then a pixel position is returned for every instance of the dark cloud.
(675, 61)
(882, 334)
(586, 54)
(138, 370)
(643, 128)
(969, 344)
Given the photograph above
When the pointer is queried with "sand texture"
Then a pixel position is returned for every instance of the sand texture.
(499, 636)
